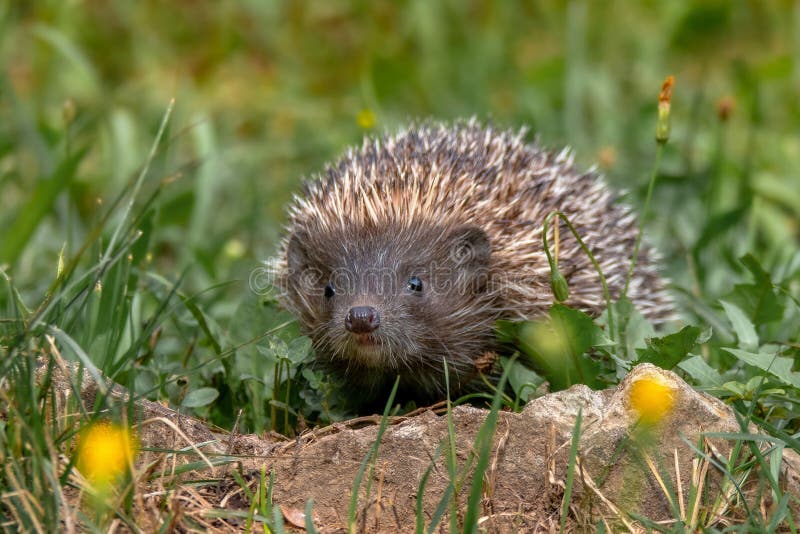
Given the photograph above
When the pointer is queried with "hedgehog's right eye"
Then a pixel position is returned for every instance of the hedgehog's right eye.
(329, 291)
(415, 284)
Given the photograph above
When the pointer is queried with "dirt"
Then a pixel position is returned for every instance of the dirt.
(617, 472)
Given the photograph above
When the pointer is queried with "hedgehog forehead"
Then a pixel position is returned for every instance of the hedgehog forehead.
(391, 246)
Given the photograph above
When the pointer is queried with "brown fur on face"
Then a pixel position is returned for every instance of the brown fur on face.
(419, 329)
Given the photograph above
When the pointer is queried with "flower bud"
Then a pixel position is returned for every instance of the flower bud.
(725, 107)
(559, 285)
(664, 102)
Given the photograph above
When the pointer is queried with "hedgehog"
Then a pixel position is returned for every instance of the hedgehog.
(404, 253)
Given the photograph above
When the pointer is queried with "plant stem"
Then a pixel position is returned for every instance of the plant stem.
(606, 293)
(642, 218)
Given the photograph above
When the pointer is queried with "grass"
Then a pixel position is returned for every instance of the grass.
(131, 223)
(370, 461)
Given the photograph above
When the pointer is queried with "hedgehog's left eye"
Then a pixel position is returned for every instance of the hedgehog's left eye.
(415, 284)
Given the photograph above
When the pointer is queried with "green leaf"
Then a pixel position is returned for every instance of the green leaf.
(555, 347)
(299, 349)
(483, 447)
(507, 331)
(666, 352)
(632, 327)
(757, 300)
(579, 329)
(314, 378)
(69, 50)
(745, 331)
(522, 379)
(19, 311)
(704, 374)
(737, 388)
(200, 397)
(701, 25)
(709, 316)
(778, 366)
(275, 349)
(716, 226)
(254, 316)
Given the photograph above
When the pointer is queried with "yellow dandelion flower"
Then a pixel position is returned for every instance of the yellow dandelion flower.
(652, 398)
(105, 451)
(366, 118)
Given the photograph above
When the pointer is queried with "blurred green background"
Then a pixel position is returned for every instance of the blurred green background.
(266, 92)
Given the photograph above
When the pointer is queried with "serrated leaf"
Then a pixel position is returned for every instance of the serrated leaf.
(704, 374)
(710, 316)
(742, 326)
(778, 366)
(666, 352)
(200, 397)
(758, 299)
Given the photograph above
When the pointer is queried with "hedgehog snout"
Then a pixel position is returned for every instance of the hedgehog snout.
(362, 319)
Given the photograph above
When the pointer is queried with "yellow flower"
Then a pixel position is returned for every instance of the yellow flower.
(105, 451)
(366, 118)
(652, 398)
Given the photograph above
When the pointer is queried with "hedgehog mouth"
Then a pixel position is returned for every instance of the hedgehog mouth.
(366, 340)
(367, 349)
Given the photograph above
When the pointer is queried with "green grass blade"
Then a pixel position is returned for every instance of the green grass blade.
(76, 349)
(420, 525)
(483, 444)
(193, 308)
(370, 458)
(139, 180)
(39, 204)
(573, 456)
(311, 528)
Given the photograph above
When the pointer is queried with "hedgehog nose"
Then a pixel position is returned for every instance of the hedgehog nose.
(362, 319)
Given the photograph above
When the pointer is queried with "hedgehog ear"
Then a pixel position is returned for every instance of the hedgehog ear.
(296, 255)
(470, 247)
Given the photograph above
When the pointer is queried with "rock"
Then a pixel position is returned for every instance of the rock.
(627, 467)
